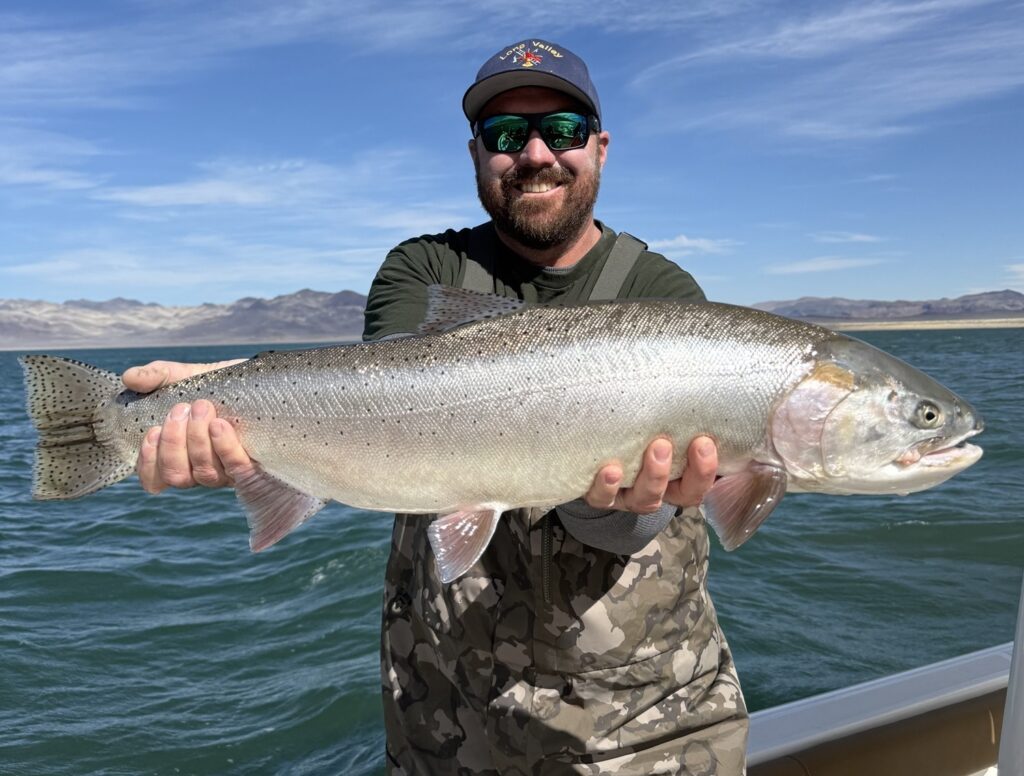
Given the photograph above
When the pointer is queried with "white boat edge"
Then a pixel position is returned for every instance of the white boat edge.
(989, 681)
(793, 727)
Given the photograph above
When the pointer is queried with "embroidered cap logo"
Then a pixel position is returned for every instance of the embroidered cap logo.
(528, 58)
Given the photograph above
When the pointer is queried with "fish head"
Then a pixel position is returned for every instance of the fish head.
(863, 421)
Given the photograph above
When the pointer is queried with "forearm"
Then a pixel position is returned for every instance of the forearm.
(613, 530)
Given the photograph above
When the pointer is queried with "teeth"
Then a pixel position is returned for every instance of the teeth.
(536, 188)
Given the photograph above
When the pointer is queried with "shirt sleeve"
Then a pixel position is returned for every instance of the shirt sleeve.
(611, 530)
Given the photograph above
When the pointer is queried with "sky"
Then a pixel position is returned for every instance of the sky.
(183, 152)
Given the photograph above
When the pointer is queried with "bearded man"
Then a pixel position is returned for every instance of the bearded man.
(583, 640)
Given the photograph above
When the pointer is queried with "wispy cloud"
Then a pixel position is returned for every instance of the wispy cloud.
(75, 59)
(361, 192)
(873, 178)
(825, 33)
(1015, 273)
(821, 264)
(216, 271)
(879, 68)
(845, 237)
(32, 156)
(681, 245)
(236, 183)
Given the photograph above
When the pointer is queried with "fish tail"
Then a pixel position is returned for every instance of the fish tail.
(73, 455)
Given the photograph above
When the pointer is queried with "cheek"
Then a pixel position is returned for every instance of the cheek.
(494, 166)
(863, 434)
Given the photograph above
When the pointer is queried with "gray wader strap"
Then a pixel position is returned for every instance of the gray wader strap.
(625, 252)
(479, 274)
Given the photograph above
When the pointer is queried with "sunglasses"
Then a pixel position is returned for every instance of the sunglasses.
(507, 133)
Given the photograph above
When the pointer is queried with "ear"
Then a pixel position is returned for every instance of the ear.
(603, 140)
(474, 152)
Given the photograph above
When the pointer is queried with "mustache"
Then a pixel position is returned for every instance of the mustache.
(552, 175)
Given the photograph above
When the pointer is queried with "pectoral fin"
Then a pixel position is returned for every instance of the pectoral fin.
(738, 503)
(460, 538)
(274, 508)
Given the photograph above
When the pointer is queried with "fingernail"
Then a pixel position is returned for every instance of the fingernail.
(662, 452)
(179, 412)
(152, 438)
(611, 479)
(200, 410)
(705, 449)
(216, 428)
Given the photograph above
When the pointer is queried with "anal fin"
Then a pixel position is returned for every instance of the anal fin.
(273, 507)
(460, 538)
(738, 503)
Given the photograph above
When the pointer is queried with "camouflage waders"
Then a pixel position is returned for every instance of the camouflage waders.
(551, 657)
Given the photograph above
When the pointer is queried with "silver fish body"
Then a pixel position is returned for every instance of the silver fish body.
(522, 409)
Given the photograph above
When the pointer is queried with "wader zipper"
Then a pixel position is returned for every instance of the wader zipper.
(546, 540)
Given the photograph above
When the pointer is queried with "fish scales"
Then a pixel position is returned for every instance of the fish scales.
(522, 408)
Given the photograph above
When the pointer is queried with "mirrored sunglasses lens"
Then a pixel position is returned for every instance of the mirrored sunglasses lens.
(505, 134)
(564, 130)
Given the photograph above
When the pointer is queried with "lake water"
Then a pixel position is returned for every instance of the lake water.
(139, 636)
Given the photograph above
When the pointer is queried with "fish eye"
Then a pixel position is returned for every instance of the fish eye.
(927, 415)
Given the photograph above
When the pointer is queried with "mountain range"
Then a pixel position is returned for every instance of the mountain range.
(317, 316)
(990, 304)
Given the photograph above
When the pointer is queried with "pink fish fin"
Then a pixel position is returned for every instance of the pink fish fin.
(460, 538)
(273, 507)
(738, 503)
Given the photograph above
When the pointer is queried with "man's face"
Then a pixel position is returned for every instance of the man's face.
(540, 197)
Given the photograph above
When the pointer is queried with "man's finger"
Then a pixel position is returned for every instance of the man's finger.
(172, 450)
(206, 466)
(699, 475)
(605, 488)
(148, 377)
(235, 462)
(149, 475)
(649, 489)
(157, 374)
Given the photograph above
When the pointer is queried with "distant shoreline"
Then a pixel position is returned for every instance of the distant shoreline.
(1016, 322)
(259, 344)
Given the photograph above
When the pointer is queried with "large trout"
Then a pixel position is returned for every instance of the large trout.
(495, 406)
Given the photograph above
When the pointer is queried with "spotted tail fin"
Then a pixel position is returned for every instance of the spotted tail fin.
(64, 397)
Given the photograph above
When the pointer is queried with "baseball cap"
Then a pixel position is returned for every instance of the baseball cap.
(531, 62)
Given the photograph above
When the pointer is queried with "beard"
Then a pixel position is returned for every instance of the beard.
(541, 225)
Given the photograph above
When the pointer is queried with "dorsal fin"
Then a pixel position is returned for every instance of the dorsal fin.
(449, 307)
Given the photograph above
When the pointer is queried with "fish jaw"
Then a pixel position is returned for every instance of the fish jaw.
(926, 470)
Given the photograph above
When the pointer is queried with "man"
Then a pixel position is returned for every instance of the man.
(583, 640)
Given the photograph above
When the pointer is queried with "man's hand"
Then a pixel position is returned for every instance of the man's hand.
(652, 485)
(194, 446)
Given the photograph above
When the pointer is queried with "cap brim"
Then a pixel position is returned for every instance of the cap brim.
(480, 93)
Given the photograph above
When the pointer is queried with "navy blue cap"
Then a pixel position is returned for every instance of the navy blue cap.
(531, 62)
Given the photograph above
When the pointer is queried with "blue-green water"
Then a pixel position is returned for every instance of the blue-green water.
(139, 636)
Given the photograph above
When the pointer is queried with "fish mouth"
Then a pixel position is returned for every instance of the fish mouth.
(936, 453)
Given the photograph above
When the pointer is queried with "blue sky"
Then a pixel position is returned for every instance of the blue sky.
(183, 152)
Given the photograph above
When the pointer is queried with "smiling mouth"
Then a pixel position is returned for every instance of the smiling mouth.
(537, 188)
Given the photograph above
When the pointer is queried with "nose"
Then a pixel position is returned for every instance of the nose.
(536, 152)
